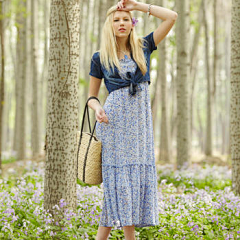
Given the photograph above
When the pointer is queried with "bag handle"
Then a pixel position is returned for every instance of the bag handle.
(87, 110)
(83, 118)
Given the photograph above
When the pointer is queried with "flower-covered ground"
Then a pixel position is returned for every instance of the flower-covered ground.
(194, 203)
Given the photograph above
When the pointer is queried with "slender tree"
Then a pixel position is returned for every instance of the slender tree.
(111, 3)
(194, 56)
(183, 69)
(43, 78)
(20, 86)
(62, 113)
(35, 84)
(1, 80)
(208, 140)
(235, 96)
(164, 141)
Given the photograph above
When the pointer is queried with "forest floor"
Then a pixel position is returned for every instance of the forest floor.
(19, 166)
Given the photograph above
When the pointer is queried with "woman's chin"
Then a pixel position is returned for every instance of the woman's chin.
(122, 35)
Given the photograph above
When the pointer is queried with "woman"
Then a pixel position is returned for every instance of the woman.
(124, 123)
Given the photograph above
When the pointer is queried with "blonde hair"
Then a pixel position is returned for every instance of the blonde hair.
(108, 47)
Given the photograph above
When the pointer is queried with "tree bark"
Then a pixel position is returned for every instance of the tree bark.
(62, 113)
(235, 96)
(208, 140)
(35, 84)
(2, 80)
(164, 136)
(193, 64)
(183, 70)
(44, 73)
(21, 83)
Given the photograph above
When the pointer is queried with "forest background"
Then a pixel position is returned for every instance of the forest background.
(194, 89)
(208, 82)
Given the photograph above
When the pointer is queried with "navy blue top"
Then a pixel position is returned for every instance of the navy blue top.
(112, 79)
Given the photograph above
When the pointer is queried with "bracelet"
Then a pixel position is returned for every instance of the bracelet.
(149, 8)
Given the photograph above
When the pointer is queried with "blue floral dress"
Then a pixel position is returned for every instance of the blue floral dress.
(128, 160)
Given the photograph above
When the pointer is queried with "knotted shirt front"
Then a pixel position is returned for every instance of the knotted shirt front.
(113, 80)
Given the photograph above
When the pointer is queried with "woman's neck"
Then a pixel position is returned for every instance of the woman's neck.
(122, 45)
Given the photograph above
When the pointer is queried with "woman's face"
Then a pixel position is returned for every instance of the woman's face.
(122, 23)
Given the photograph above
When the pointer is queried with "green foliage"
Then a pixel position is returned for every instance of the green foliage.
(9, 160)
(190, 183)
(212, 213)
(83, 184)
(83, 82)
(93, 38)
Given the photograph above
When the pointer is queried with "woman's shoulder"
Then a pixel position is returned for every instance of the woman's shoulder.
(96, 56)
(148, 42)
(150, 35)
(148, 38)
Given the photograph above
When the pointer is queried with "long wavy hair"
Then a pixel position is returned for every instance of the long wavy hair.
(108, 47)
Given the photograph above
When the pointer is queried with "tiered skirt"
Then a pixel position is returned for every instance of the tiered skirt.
(128, 160)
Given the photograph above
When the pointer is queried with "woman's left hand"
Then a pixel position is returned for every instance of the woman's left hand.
(126, 5)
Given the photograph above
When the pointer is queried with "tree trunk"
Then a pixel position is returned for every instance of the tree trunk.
(62, 113)
(155, 100)
(200, 130)
(183, 70)
(21, 86)
(43, 92)
(208, 140)
(86, 53)
(35, 87)
(235, 96)
(101, 16)
(164, 136)
(227, 67)
(215, 45)
(193, 64)
(2, 102)
(173, 108)
(110, 3)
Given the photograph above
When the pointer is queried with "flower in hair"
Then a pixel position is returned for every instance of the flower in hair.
(134, 21)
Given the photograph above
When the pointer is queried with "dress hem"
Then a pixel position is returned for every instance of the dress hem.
(135, 225)
(127, 164)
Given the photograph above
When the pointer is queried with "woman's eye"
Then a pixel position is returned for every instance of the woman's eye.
(115, 20)
(126, 19)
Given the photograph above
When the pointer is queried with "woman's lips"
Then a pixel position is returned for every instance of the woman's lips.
(122, 30)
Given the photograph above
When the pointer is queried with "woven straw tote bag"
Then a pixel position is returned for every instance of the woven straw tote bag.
(89, 156)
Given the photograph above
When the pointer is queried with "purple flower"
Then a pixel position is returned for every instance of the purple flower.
(134, 21)
(62, 203)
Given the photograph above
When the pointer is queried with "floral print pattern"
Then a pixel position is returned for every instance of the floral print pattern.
(127, 65)
(128, 160)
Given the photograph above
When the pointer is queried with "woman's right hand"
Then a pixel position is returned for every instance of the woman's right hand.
(101, 115)
(126, 5)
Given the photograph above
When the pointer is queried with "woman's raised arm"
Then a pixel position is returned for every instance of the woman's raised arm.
(168, 16)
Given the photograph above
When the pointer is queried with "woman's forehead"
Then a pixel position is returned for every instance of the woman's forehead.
(121, 14)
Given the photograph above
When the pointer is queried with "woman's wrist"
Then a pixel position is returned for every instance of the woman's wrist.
(94, 104)
(143, 7)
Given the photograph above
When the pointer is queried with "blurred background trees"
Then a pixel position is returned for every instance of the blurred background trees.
(190, 77)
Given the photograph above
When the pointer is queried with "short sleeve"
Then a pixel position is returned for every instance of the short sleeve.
(95, 68)
(150, 44)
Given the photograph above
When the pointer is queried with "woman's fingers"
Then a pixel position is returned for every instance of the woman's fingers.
(105, 119)
(120, 5)
(101, 117)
